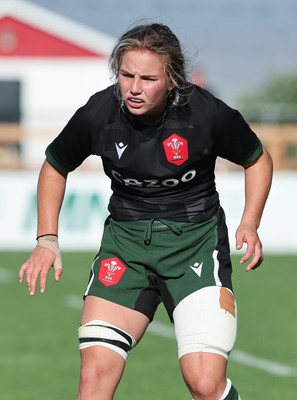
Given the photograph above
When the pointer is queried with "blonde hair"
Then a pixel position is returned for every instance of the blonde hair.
(160, 40)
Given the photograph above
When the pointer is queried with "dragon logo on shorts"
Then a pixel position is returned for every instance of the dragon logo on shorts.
(111, 271)
(176, 149)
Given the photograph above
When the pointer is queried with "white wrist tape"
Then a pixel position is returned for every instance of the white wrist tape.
(50, 242)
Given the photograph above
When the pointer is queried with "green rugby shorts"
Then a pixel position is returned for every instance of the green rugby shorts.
(142, 263)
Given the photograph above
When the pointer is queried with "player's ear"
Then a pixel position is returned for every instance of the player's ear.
(171, 86)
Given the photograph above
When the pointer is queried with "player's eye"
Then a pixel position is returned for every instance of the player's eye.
(126, 74)
(149, 78)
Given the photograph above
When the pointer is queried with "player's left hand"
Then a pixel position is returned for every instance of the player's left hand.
(249, 236)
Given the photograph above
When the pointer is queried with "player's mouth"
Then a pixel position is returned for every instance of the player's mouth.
(135, 102)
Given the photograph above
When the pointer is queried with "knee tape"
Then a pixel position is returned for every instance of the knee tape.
(206, 321)
(101, 333)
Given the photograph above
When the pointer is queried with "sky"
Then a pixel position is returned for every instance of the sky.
(238, 44)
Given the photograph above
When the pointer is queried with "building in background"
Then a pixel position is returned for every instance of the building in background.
(49, 66)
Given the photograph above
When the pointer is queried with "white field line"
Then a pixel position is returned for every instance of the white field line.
(74, 301)
(272, 367)
(13, 359)
(239, 356)
(6, 276)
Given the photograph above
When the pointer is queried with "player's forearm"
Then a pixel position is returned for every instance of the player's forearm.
(50, 194)
(258, 179)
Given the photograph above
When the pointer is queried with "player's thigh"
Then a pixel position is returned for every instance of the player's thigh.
(131, 321)
(206, 322)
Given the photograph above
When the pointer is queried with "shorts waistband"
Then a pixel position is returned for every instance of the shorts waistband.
(153, 225)
(159, 224)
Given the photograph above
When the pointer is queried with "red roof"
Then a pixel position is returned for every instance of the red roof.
(20, 39)
(28, 30)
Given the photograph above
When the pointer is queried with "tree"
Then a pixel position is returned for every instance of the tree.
(277, 101)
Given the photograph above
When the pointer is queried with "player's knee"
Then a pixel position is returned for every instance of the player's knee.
(203, 388)
(204, 375)
(206, 321)
(95, 375)
(101, 333)
(206, 389)
(89, 374)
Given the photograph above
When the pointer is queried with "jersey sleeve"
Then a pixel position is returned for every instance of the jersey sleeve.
(73, 145)
(81, 136)
(233, 139)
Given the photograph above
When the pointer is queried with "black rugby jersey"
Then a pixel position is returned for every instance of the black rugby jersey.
(161, 171)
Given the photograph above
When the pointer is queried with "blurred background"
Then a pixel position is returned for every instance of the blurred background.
(53, 57)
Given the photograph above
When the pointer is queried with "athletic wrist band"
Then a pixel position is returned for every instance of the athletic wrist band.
(46, 234)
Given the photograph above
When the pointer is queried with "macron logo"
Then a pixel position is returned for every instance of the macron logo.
(197, 268)
(120, 147)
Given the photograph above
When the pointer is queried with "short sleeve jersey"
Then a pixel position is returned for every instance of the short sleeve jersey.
(160, 171)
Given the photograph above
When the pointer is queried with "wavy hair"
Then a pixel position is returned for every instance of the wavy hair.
(160, 40)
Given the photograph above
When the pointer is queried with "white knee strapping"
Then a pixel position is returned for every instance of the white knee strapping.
(206, 321)
(101, 333)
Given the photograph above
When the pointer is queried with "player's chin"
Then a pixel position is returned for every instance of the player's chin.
(137, 110)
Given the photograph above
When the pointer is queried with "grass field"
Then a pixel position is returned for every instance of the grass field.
(39, 359)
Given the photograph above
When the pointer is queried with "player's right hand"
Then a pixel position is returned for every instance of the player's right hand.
(37, 267)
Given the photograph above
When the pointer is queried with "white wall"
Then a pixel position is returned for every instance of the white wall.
(279, 221)
(52, 89)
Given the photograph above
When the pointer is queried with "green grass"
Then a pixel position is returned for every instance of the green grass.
(39, 357)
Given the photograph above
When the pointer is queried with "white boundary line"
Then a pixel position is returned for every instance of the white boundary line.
(271, 367)
(239, 356)
(6, 276)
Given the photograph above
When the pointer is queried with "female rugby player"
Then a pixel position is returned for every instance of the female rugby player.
(166, 238)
